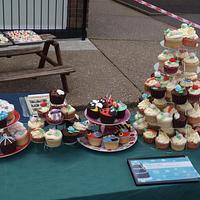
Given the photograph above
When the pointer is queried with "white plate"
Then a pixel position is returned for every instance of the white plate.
(133, 139)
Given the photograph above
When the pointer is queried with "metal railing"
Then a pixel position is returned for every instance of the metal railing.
(45, 16)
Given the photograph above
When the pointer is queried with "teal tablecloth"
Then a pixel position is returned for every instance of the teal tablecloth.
(74, 172)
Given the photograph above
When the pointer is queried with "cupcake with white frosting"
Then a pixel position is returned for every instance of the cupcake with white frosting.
(143, 105)
(184, 108)
(140, 125)
(164, 120)
(150, 113)
(178, 142)
(194, 94)
(171, 66)
(164, 56)
(35, 122)
(149, 136)
(194, 115)
(193, 140)
(162, 140)
(191, 63)
(53, 137)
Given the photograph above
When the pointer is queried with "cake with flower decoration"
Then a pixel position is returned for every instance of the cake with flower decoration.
(191, 63)
(178, 142)
(8, 108)
(38, 135)
(53, 138)
(95, 138)
(35, 122)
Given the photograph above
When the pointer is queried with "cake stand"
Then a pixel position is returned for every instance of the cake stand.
(133, 134)
(19, 148)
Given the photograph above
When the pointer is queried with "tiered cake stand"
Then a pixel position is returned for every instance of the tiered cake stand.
(19, 148)
(133, 139)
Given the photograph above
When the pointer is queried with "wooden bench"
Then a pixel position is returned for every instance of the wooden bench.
(32, 73)
(42, 52)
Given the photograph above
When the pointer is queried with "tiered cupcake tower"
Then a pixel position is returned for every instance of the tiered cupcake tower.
(13, 135)
(169, 113)
(108, 130)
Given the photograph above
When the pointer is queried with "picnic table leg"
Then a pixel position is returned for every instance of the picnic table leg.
(44, 54)
(58, 52)
(64, 82)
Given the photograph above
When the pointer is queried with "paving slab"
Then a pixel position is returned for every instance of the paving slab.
(95, 76)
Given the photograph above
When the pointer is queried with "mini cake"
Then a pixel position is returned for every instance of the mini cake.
(164, 56)
(173, 38)
(7, 144)
(107, 115)
(184, 108)
(179, 95)
(194, 115)
(193, 140)
(121, 109)
(81, 127)
(190, 63)
(43, 109)
(57, 96)
(140, 125)
(21, 137)
(35, 122)
(95, 138)
(170, 86)
(150, 82)
(54, 116)
(68, 112)
(3, 119)
(111, 142)
(194, 94)
(157, 91)
(179, 120)
(93, 110)
(160, 103)
(38, 135)
(53, 138)
(171, 66)
(178, 142)
(9, 109)
(124, 136)
(18, 126)
(186, 83)
(143, 105)
(70, 135)
(164, 120)
(150, 113)
(149, 136)
(162, 140)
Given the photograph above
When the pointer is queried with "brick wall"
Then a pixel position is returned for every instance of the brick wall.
(75, 13)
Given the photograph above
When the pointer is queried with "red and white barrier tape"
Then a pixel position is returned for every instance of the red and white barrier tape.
(168, 13)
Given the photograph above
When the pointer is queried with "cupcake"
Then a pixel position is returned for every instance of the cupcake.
(138, 116)
(68, 112)
(53, 138)
(171, 66)
(186, 83)
(111, 142)
(93, 110)
(162, 140)
(43, 109)
(173, 38)
(169, 131)
(81, 127)
(194, 115)
(55, 116)
(143, 105)
(57, 97)
(109, 101)
(185, 130)
(191, 63)
(3, 119)
(70, 135)
(140, 125)
(194, 94)
(149, 136)
(7, 144)
(160, 103)
(38, 135)
(170, 86)
(9, 109)
(157, 91)
(179, 95)
(184, 108)
(21, 137)
(150, 82)
(150, 113)
(108, 115)
(178, 142)
(124, 136)
(179, 120)
(35, 122)
(193, 140)
(18, 126)
(164, 120)
(170, 109)
(121, 109)
(95, 138)
(164, 56)
(181, 54)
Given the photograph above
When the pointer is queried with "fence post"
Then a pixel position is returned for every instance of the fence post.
(84, 24)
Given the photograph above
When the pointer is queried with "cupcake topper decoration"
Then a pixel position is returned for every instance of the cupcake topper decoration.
(195, 87)
(43, 104)
(172, 60)
(179, 89)
(178, 135)
(3, 115)
(157, 75)
(192, 55)
(71, 129)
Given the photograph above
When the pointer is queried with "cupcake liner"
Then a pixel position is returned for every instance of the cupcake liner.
(177, 147)
(161, 145)
(170, 70)
(95, 141)
(193, 98)
(149, 140)
(192, 145)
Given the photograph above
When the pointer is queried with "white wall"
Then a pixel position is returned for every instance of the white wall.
(7, 9)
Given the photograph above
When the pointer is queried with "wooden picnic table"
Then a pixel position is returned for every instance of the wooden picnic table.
(42, 51)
